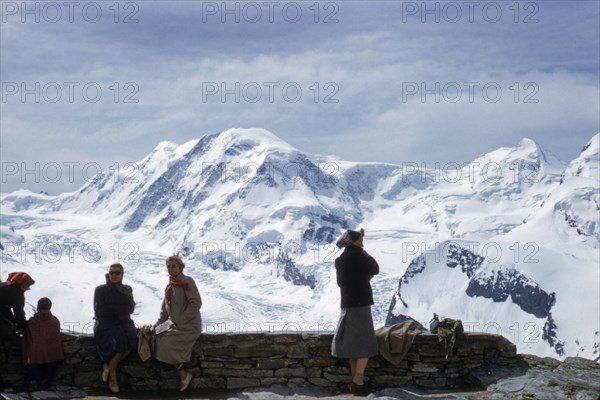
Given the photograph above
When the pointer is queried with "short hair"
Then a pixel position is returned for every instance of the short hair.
(117, 265)
(44, 304)
(177, 259)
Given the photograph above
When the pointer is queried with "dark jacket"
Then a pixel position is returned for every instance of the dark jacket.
(354, 269)
(110, 304)
(12, 302)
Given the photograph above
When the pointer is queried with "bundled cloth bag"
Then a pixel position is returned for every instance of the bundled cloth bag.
(395, 340)
(447, 329)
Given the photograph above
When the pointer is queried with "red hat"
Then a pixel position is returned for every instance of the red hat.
(19, 278)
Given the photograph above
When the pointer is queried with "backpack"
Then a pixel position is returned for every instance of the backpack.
(447, 330)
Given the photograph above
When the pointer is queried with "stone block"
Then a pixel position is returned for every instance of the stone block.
(442, 360)
(139, 372)
(431, 383)
(320, 362)
(389, 380)
(321, 382)
(266, 382)
(432, 350)
(169, 384)
(252, 373)
(287, 338)
(425, 367)
(226, 352)
(88, 379)
(239, 365)
(412, 357)
(145, 384)
(321, 351)
(337, 370)
(337, 378)
(208, 383)
(258, 350)
(241, 383)
(211, 364)
(299, 350)
(273, 363)
(312, 372)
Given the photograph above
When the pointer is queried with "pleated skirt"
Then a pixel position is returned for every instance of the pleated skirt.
(355, 334)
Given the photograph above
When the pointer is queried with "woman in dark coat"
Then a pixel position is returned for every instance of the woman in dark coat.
(114, 330)
(12, 302)
(355, 335)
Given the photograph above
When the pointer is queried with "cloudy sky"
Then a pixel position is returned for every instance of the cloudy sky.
(96, 85)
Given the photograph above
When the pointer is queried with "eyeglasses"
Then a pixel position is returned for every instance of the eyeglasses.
(114, 272)
(172, 266)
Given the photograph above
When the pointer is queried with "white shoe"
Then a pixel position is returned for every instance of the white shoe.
(186, 382)
(105, 373)
(113, 386)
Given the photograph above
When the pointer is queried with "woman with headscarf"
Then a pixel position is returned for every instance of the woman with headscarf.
(12, 303)
(179, 324)
(355, 335)
(114, 330)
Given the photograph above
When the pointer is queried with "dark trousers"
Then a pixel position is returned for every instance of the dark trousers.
(42, 373)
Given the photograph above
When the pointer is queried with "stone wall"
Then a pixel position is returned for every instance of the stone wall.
(237, 361)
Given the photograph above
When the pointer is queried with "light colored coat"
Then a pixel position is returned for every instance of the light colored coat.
(175, 345)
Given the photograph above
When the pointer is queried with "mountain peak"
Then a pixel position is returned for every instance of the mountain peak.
(528, 143)
(592, 147)
(587, 164)
(252, 137)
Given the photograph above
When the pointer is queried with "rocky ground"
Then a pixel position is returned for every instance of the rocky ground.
(535, 378)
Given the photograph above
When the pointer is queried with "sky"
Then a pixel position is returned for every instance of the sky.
(94, 86)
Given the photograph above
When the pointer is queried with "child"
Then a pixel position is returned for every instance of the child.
(42, 345)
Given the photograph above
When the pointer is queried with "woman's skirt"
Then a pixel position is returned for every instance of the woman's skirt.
(114, 337)
(355, 334)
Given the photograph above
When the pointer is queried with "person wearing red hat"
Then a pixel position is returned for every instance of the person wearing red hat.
(12, 303)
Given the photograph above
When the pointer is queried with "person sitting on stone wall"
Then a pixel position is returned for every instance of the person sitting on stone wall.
(114, 330)
(179, 324)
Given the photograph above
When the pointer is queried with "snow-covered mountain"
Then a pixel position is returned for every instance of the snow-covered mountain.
(508, 242)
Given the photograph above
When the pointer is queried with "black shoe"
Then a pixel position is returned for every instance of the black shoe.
(33, 386)
(358, 389)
